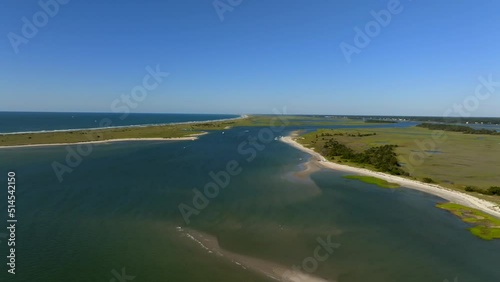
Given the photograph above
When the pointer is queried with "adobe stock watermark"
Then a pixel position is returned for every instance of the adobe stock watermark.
(124, 104)
(121, 277)
(483, 91)
(363, 37)
(223, 6)
(221, 179)
(309, 265)
(29, 29)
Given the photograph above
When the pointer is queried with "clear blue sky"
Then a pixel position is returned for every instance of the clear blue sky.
(265, 54)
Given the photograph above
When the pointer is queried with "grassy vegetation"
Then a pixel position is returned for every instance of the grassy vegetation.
(373, 180)
(95, 135)
(266, 120)
(165, 131)
(455, 161)
(162, 131)
(485, 226)
(75, 136)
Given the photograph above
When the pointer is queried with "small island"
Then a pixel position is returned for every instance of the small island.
(485, 226)
(373, 180)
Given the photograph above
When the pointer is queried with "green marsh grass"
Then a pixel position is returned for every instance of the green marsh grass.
(373, 180)
(486, 227)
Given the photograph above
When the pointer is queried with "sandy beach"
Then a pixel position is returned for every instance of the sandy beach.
(191, 137)
(127, 126)
(445, 193)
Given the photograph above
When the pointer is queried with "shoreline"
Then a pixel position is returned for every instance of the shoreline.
(191, 137)
(123, 126)
(453, 196)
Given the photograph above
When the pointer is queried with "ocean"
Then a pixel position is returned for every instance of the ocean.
(14, 122)
(116, 216)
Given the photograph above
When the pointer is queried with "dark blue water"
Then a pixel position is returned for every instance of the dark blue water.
(30, 121)
(119, 209)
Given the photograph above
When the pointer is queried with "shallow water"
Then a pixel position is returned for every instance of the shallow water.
(119, 209)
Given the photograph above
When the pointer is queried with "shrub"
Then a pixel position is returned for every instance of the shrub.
(428, 180)
(493, 190)
(470, 188)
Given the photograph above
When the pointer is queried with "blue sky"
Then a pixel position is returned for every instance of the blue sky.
(265, 54)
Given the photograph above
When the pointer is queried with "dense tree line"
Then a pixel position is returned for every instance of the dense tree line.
(457, 128)
(382, 158)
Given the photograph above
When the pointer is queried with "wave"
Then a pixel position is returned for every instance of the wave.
(121, 126)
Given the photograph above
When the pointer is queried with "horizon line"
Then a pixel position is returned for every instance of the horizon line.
(255, 114)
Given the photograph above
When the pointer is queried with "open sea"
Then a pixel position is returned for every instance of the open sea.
(11, 122)
(115, 216)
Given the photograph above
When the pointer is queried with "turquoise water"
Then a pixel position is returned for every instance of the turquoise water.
(119, 209)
